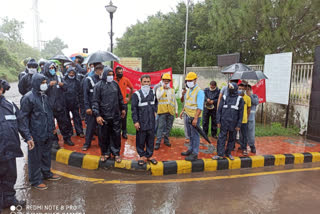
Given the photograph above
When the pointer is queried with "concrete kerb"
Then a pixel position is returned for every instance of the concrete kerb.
(93, 162)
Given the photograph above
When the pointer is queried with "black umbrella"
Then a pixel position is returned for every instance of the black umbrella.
(62, 58)
(248, 75)
(100, 56)
(236, 67)
(200, 130)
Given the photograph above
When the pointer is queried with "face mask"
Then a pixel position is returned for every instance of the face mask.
(71, 77)
(190, 84)
(212, 89)
(44, 87)
(92, 69)
(240, 92)
(167, 85)
(32, 70)
(145, 89)
(52, 72)
(109, 78)
(119, 76)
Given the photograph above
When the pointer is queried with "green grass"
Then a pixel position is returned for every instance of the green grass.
(275, 129)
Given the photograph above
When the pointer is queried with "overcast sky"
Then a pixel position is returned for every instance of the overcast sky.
(82, 23)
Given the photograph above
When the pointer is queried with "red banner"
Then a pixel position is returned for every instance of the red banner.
(260, 90)
(134, 76)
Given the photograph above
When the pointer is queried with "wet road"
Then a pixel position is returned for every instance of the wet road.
(222, 192)
(226, 192)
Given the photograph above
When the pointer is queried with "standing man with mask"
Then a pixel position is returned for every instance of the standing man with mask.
(252, 119)
(167, 110)
(72, 95)
(22, 73)
(81, 74)
(124, 83)
(24, 84)
(57, 101)
(10, 126)
(144, 108)
(38, 124)
(229, 119)
(210, 108)
(88, 88)
(108, 108)
(244, 125)
(193, 107)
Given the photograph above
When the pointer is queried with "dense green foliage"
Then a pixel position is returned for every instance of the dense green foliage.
(252, 27)
(13, 50)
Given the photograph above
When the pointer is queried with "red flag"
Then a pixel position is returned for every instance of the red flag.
(260, 90)
(134, 76)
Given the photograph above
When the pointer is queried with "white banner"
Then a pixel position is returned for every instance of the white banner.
(277, 67)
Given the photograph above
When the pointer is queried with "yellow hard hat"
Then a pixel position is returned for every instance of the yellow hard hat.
(191, 76)
(166, 76)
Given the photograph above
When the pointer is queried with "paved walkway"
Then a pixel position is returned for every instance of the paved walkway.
(264, 145)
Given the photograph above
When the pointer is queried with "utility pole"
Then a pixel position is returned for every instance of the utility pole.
(186, 40)
(36, 25)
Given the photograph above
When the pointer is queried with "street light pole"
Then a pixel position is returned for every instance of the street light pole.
(186, 40)
(111, 34)
(111, 9)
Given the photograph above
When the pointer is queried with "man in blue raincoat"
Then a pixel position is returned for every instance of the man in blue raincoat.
(10, 127)
(229, 119)
(24, 84)
(57, 101)
(38, 125)
(88, 87)
(72, 95)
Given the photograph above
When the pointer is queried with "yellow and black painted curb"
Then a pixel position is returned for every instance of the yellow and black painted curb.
(181, 166)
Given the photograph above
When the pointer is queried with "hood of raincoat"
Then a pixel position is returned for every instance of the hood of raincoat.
(36, 81)
(106, 70)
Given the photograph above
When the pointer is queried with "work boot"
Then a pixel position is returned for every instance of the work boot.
(192, 157)
(157, 146)
(167, 144)
(124, 135)
(69, 142)
(187, 153)
(253, 149)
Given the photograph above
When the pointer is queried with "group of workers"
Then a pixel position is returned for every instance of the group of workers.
(50, 93)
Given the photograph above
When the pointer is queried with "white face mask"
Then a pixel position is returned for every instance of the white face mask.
(92, 69)
(190, 84)
(44, 87)
(145, 89)
(71, 77)
(109, 78)
(32, 70)
(101, 75)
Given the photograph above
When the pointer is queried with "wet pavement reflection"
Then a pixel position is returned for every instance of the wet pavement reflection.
(293, 192)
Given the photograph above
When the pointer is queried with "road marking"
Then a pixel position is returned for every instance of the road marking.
(103, 181)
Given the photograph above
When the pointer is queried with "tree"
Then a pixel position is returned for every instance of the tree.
(252, 27)
(53, 47)
(10, 30)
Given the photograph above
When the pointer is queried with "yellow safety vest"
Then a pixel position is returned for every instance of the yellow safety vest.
(191, 102)
(165, 105)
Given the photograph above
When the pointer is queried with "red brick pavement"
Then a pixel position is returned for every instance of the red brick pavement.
(264, 145)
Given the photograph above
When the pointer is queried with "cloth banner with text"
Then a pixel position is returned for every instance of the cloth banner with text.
(134, 76)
